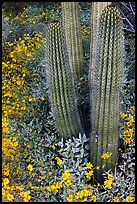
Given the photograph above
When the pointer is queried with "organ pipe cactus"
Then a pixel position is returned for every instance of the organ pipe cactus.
(71, 24)
(96, 11)
(61, 83)
(106, 80)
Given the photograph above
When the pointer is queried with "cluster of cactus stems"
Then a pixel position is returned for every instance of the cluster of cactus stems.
(66, 66)
(106, 79)
(61, 83)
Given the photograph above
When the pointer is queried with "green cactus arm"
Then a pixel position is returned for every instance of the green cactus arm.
(96, 11)
(106, 88)
(61, 88)
(69, 92)
(71, 23)
(55, 92)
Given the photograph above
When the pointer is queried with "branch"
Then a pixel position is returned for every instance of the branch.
(131, 25)
(132, 9)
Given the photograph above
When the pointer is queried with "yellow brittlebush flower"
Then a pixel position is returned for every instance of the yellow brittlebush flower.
(127, 140)
(106, 155)
(66, 175)
(68, 182)
(30, 167)
(116, 199)
(10, 197)
(89, 165)
(108, 183)
(132, 108)
(131, 118)
(5, 181)
(130, 199)
(89, 174)
(59, 161)
(93, 198)
(70, 198)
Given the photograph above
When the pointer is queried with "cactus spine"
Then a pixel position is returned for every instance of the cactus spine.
(61, 85)
(71, 23)
(105, 89)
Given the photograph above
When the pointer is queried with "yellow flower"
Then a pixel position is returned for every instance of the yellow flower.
(42, 98)
(68, 182)
(126, 132)
(106, 155)
(108, 183)
(15, 144)
(70, 198)
(94, 198)
(58, 185)
(132, 107)
(27, 198)
(85, 192)
(89, 165)
(110, 176)
(79, 194)
(84, 200)
(129, 124)
(122, 115)
(59, 161)
(127, 140)
(10, 197)
(5, 181)
(53, 187)
(131, 118)
(13, 60)
(66, 174)
(89, 174)
(130, 132)
(6, 173)
(130, 198)
(30, 167)
(116, 199)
